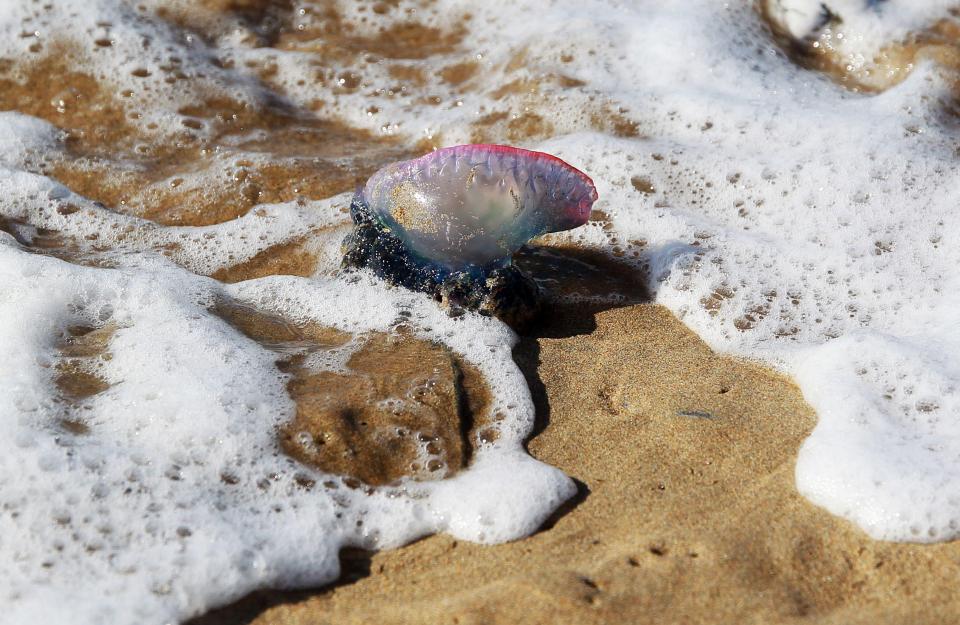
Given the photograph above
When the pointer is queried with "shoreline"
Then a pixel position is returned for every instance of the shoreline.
(687, 510)
(179, 432)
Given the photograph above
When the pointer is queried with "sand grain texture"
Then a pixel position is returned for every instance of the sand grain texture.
(687, 511)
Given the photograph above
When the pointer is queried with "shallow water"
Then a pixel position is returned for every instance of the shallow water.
(195, 402)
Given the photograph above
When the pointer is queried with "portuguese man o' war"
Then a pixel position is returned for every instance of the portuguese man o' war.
(473, 205)
(448, 223)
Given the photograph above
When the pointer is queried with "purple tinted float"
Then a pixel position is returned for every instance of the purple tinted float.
(475, 205)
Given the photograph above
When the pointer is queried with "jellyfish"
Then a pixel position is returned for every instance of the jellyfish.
(448, 223)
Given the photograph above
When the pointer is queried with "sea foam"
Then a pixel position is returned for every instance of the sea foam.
(781, 217)
(133, 520)
(174, 497)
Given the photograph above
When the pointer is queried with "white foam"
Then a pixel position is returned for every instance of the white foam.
(788, 215)
(134, 521)
(39, 202)
(858, 34)
(818, 226)
(136, 510)
(860, 28)
(22, 136)
(806, 226)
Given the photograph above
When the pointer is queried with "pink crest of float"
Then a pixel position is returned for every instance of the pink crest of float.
(533, 160)
(477, 204)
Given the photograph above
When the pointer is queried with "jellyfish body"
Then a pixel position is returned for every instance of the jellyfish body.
(448, 223)
(475, 205)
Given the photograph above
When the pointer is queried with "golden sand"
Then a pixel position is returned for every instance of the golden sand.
(687, 512)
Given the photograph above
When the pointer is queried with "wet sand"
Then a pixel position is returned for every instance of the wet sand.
(686, 511)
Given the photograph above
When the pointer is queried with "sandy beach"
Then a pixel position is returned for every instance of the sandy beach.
(207, 417)
(686, 511)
